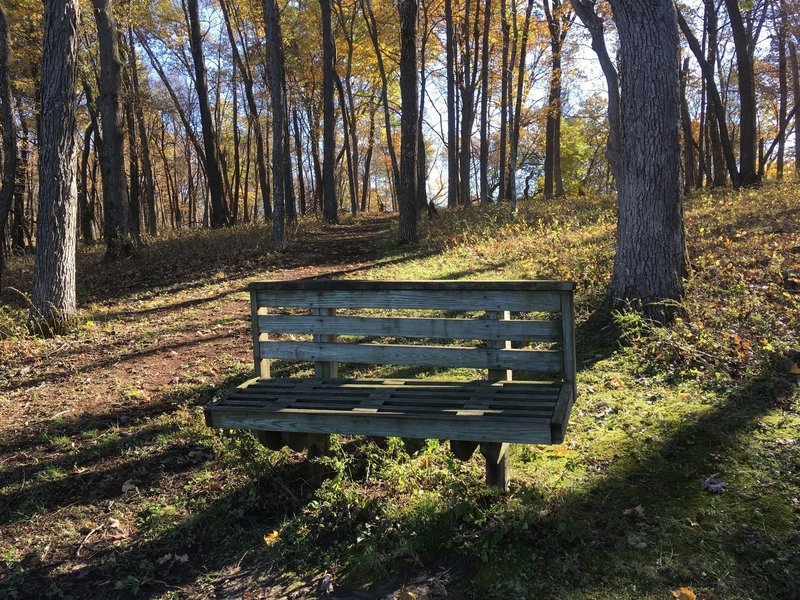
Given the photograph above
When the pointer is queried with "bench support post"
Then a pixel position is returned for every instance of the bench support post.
(498, 465)
(463, 450)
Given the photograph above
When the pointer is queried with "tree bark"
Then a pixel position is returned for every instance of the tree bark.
(116, 226)
(515, 127)
(650, 260)
(330, 205)
(484, 148)
(53, 296)
(452, 138)
(505, 78)
(407, 186)
(299, 154)
(796, 94)
(275, 50)
(558, 25)
(9, 136)
(783, 89)
(219, 210)
(747, 96)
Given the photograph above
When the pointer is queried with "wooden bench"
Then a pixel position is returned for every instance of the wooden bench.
(439, 324)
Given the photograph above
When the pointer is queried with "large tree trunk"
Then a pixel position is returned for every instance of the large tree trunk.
(53, 295)
(796, 95)
(116, 226)
(330, 204)
(650, 260)
(85, 208)
(783, 90)
(407, 186)
(467, 95)
(422, 166)
(9, 136)
(219, 210)
(275, 49)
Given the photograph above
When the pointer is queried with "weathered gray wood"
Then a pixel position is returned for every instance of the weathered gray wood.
(402, 327)
(325, 369)
(561, 412)
(568, 343)
(518, 301)
(499, 343)
(482, 429)
(544, 361)
(498, 464)
(261, 366)
(427, 285)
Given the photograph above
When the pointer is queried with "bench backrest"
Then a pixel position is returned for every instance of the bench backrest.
(310, 307)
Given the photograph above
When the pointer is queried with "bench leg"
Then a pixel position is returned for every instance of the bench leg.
(271, 439)
(498, 467)
(463, 450)
(319, 444)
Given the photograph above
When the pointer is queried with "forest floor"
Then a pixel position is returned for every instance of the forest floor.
(680, 476)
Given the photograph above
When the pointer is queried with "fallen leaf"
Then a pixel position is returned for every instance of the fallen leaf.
(637, 511)
(713, 484)
(182, 558)
(114, 523)
(164, 559)
(684, 593)
(272, 538)
(326, 584)
(128, 486)
(406, 595)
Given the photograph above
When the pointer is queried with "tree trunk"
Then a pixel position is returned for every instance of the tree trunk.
(252, 107)
(330, 203)
(373, 33)
(116, 227)
(407, 186)
(747, 96)
(147, 161)
(688, 137)
(484, 149)
(368, 159)
(422, 167)
(505, 80)
(85, 209)
(796, 95)
(515, 127)
(783, 90)
(452, 141)
(219, 210)
(53, 295)
(289, 199)
(467, 95)
(592, 22)
(348, 153)
(650, 260)
(275, 51)
(299, 154)
(9, 136)
(558, 24)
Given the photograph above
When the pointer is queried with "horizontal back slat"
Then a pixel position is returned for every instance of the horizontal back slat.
(372, 285)
(398, 354)
(469, 300)
(469, 329)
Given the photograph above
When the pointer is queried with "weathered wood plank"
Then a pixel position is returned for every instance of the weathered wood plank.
(328, 369)
(545, 361)
(467, 300)
(500, 387)
(530, 431)
(401, 327)
(428, 285)
(561, 413)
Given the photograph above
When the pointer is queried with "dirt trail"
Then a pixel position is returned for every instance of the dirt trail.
(138, 350)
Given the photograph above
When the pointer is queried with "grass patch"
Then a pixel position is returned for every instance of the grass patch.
(110, 480)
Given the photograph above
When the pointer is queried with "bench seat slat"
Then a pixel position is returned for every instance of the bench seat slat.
(381, 409)
(468, 300)
(545, 361)
(407, 327)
